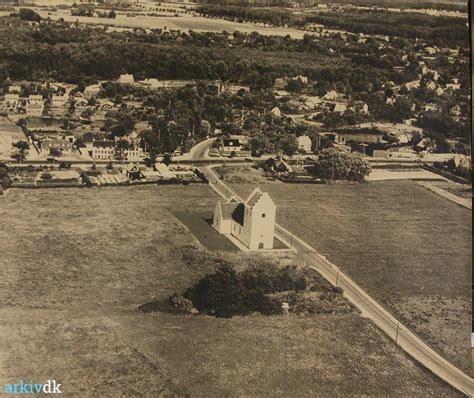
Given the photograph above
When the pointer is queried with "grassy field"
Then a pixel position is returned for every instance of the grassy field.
(77, 263)
(410, 249)
(185, 23)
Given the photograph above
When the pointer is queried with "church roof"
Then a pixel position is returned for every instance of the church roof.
(227, 209)
(239, 213)
(254, 198)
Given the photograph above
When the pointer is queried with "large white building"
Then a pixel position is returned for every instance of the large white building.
(252, 222)
(127, 79)
(106, 150)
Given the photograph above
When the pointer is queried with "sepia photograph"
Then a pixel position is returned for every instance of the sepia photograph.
(236, 198)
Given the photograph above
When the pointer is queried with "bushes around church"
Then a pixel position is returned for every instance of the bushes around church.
(261, 287)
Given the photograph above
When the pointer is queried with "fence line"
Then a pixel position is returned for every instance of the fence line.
(397, 331)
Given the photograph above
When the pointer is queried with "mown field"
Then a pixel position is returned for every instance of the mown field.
(409, 248)
(77, 263)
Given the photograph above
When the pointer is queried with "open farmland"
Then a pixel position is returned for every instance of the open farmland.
(408, 247)
(185, 23)
(76, 264)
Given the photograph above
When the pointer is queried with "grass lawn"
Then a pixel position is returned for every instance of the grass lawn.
(410, 249)
(77, 263)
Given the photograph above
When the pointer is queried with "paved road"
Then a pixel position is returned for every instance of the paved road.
(200, 150)
(465, 202)
(369, 308)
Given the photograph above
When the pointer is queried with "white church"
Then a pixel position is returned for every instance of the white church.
(251, 222)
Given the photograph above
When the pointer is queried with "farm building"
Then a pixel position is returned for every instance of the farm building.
(277, 165)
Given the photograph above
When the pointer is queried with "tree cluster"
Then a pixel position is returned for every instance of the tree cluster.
(441, 31)
(335, 165)
(226, 292)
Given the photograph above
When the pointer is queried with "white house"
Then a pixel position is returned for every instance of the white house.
(14, 89)
(338, 107)
(304, 143)
(431, 85)
(312, 101)
(106, 149)
(276, 112)
(103, 149)
(231, 144)
(81, 105)
(127, 78)
(412, 84)
(153, 83)
(251, 222)
(106, 106)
